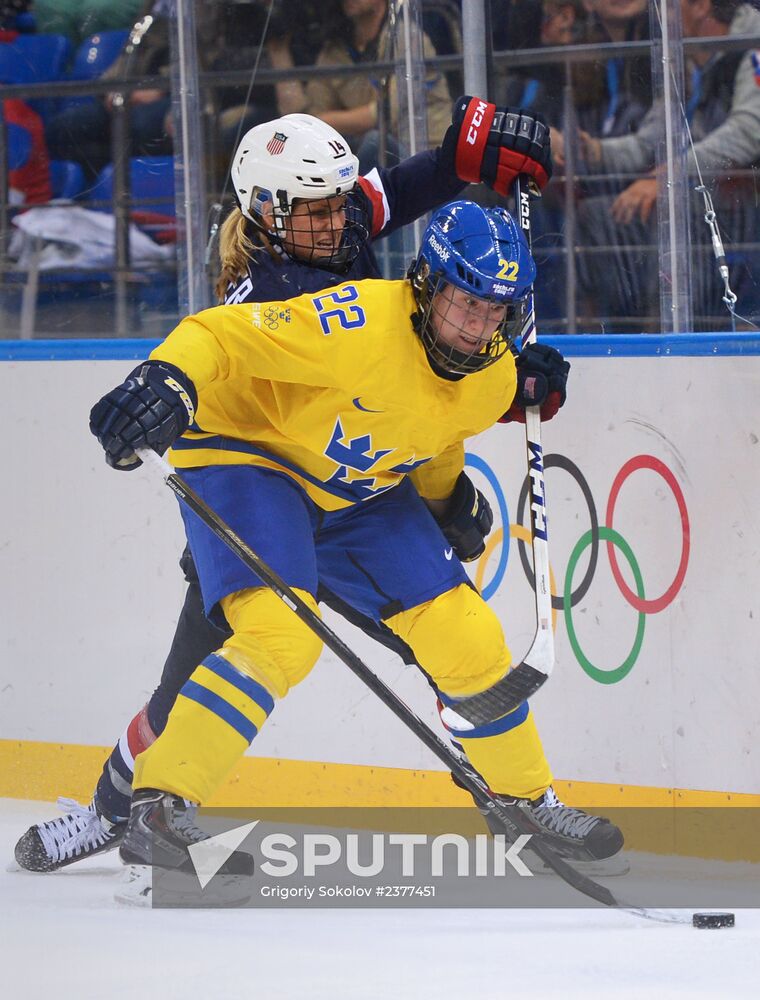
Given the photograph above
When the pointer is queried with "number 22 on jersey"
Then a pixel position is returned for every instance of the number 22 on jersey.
(334, 306)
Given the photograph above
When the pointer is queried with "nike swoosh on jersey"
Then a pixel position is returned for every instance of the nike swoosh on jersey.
(364, 409)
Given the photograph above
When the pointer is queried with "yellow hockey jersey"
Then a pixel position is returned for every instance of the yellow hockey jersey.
(333, 389)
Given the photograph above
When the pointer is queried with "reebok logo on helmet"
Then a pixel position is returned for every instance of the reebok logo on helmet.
(442, 252)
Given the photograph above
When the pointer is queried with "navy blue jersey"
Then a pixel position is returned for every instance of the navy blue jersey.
(387, 198)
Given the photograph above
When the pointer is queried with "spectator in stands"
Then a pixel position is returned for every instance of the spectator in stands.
(361, 34)
(723, 103)
(229, 35)
(611, 96)
(78, 19)
(82, 132)
(540, 87)
(229, 38)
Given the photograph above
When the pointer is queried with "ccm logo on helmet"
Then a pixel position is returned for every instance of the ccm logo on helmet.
(442, 252)
(477, 121)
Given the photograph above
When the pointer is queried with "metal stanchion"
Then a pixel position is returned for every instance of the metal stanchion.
(571, 282)
(121, 204)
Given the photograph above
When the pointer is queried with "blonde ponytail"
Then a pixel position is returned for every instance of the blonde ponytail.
(236, 249)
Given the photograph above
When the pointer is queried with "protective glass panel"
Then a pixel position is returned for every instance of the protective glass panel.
(621, 238)
(112, 233)
(722, 105)
(89, 233)
(119, 136)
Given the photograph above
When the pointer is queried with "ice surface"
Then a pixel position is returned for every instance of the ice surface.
(64, 938)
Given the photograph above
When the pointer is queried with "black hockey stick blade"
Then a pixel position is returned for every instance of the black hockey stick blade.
(505, 696)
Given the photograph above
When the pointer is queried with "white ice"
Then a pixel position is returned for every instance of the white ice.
(63, 937)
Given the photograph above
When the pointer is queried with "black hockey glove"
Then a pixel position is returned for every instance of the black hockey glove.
(541, 381)
(467, 520)
(495, 145)
(150, 409)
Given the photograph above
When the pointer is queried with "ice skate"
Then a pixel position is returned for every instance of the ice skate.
(80, 833)
(160, 830)
(589, 842)
(159, 835)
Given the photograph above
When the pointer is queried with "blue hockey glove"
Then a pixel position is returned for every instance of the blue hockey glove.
(467, 520)
(152, 408)
(541, 381)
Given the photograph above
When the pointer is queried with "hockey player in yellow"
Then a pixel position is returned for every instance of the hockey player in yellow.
(307, 425)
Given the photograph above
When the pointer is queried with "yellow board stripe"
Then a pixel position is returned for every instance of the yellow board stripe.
(43, 771)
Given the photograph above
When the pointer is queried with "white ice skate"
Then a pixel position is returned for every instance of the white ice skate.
(80, 833)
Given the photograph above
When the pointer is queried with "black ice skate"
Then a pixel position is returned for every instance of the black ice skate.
(573, 834)
(80, 833)
(156, 849)
(161, 828)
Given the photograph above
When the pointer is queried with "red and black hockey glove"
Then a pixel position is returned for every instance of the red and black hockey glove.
(495, 145)
(541, 381)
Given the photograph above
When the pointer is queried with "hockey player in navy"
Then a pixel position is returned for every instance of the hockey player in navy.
(299, 230)
(266, 430)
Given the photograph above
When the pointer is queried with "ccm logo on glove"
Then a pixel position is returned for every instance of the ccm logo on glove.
(477, 121)
(495, 145)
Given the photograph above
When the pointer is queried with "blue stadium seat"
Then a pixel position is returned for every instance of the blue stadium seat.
(152, 200)
(153, 210)
(66, 179)
(35, 59)
(92, 59)
(152, 185)
(19, 145)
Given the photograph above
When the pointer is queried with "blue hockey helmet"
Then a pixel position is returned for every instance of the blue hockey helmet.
(483, 252)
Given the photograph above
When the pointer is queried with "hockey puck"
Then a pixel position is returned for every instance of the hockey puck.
(713, 920)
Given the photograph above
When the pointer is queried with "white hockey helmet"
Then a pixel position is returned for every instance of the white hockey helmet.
(296, 156)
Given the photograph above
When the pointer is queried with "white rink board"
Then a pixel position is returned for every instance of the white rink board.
(91, 589)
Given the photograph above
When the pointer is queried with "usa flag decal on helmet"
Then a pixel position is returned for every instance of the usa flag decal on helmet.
(277, 143)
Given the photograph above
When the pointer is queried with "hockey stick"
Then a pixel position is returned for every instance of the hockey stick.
(511, 817)
(527, 677)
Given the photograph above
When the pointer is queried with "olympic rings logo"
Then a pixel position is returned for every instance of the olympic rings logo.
(571, 596)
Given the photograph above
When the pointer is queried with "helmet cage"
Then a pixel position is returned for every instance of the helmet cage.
(483, 253)
(302, 242)
(296, 159)
(450, 358)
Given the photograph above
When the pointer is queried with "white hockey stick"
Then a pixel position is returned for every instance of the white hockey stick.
(528, 676)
